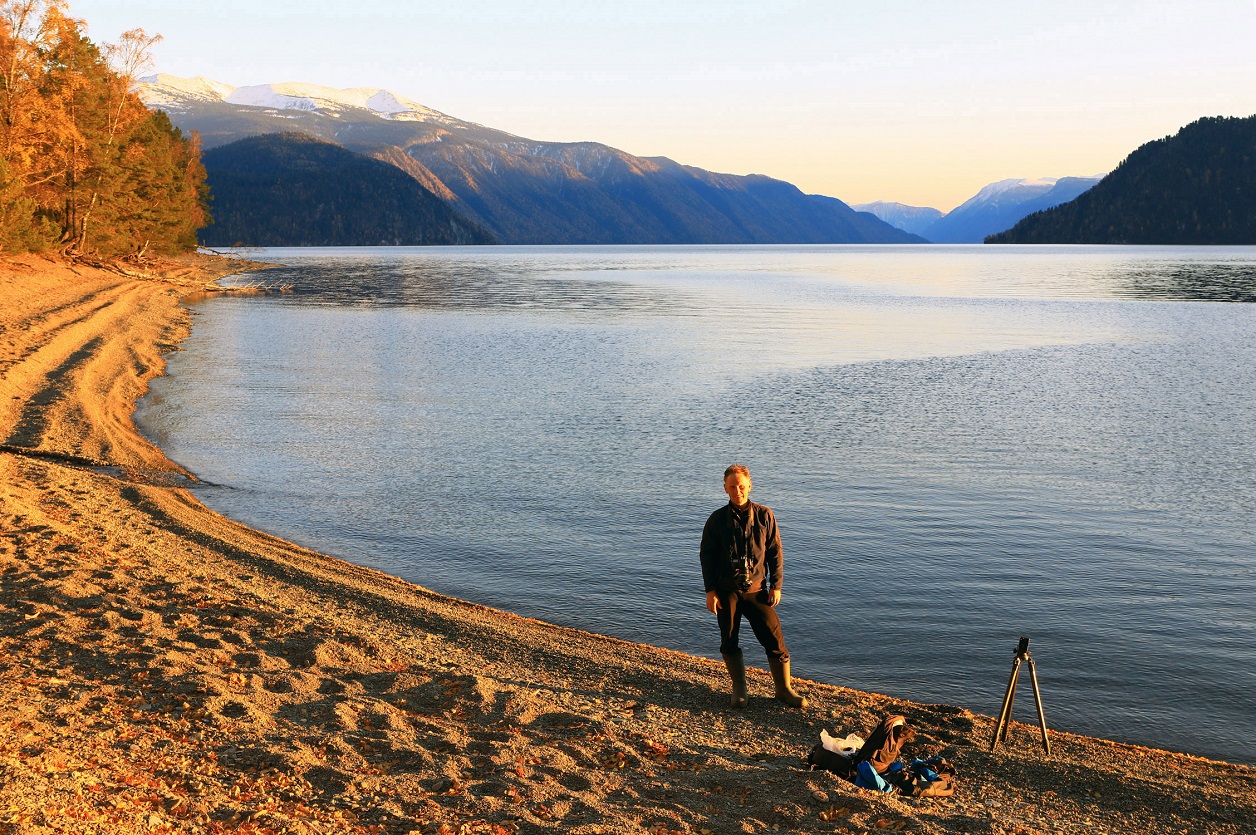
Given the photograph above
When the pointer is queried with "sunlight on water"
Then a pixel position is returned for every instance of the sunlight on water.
(962, 444)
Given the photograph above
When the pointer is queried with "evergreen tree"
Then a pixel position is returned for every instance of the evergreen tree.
(20, 229)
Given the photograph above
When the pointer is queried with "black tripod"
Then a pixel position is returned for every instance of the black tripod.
(1005, 715)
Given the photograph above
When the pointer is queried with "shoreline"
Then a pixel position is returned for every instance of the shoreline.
(168, 670)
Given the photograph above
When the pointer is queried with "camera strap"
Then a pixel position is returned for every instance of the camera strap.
(742, 528)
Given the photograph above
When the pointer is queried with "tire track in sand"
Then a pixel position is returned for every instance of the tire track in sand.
(77, 366)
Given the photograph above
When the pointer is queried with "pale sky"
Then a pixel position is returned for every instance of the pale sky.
(915, 101)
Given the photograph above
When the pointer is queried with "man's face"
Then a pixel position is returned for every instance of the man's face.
(737, 486)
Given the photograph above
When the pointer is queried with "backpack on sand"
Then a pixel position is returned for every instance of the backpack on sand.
(876, 764)
(840, 764)
(883, 747)
(880, 749)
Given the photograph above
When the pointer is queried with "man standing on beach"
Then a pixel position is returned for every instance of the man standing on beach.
(742, 570)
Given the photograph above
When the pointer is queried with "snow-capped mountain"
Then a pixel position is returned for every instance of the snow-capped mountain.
(1012, 190)
(521, 190)
(997, 206)
(174, 94)
(912, 219)
(1000, 205)
(170, 93)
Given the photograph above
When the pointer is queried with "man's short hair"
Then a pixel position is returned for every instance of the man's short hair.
(736, 469)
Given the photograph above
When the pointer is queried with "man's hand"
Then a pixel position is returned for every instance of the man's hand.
(775, 597)
(713, 602)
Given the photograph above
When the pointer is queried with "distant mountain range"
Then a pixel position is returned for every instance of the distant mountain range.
(914, 219)
(518, 190)
(1195, 187)
(995, 208)
(1000, 205)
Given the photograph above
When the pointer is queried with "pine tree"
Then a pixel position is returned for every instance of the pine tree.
(20, 228)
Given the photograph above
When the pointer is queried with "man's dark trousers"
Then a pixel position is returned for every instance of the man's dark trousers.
(763, 620)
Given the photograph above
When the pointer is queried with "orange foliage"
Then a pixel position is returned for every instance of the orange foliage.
(83, 164)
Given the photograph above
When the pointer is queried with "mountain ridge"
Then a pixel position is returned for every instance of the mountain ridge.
(995, 207)
(290, 189)
(1000, 205)
(914, 219)
(170, 92)
(525, 191)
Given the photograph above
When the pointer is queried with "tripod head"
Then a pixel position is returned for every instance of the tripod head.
(1022, 649)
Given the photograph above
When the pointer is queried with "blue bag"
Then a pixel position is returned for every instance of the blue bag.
(867, 778)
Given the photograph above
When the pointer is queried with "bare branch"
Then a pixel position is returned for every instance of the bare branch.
(132, 54)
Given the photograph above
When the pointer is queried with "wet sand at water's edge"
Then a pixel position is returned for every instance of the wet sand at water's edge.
(168, 670)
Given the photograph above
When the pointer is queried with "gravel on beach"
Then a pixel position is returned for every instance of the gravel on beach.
(168, 670)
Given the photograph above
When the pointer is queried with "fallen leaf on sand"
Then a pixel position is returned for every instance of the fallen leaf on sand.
(833, 813)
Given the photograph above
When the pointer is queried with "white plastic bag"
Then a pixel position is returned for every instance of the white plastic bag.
(847, 747)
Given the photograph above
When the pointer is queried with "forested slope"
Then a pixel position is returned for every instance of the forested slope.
(290, 189)
(1196, 187)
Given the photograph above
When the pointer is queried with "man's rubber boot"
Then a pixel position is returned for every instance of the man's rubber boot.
(784, 691)
(737, 672)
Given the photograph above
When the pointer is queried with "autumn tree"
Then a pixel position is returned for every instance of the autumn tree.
(26, 136)
(85, 164)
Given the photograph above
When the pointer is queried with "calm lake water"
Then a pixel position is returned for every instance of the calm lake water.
(962, 444)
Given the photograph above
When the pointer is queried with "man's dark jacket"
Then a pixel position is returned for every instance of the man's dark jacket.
(719, 550)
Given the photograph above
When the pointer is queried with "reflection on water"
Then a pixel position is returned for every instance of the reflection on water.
(458, 285)
(962, 444)
(606, 278)
(1220, 282)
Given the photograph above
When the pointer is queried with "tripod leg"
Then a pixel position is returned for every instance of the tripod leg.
(1007, 722)
(1005, 713)
(1042, 720)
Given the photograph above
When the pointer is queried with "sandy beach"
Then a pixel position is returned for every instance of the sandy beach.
(168, 670)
